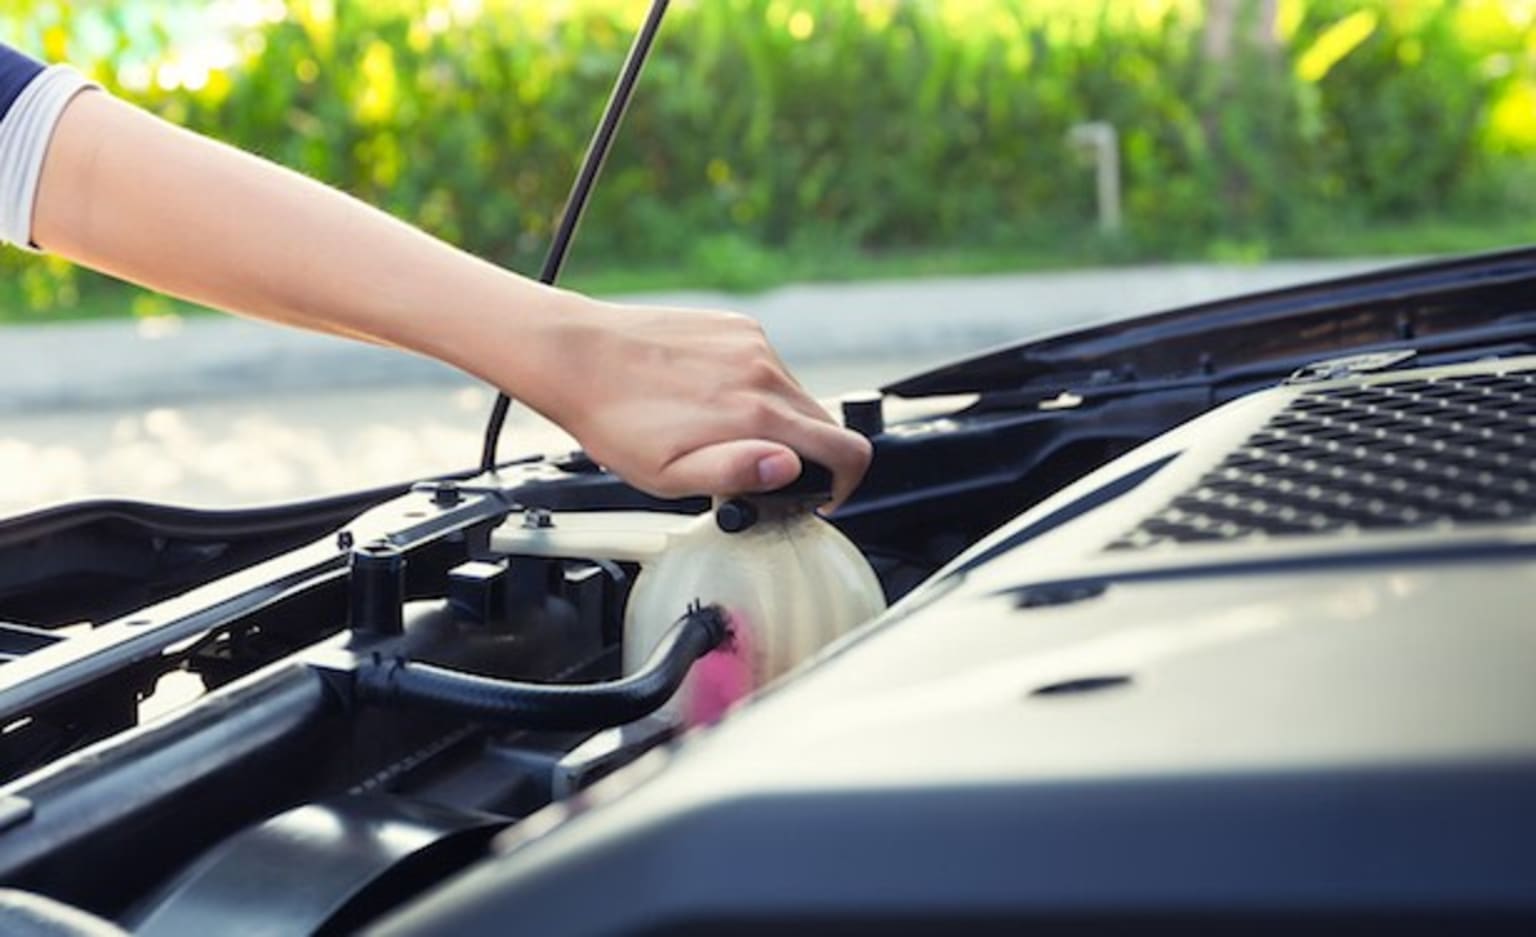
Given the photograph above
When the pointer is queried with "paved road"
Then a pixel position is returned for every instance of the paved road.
(222, 411)
(250, 450)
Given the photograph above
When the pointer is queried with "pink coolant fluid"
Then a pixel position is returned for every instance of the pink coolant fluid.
(790, 582)
(723, 677)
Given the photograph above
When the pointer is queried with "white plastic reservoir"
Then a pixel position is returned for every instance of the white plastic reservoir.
(790, 582)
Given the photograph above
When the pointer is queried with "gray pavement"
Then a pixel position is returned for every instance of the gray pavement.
(119, 363)
(281, 446)
(220, 411)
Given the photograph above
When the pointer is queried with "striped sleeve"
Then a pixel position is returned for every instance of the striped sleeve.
(32, 96)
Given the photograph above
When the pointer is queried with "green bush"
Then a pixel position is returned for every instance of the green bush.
(838, 128)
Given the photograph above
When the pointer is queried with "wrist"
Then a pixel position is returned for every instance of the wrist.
(521, 339)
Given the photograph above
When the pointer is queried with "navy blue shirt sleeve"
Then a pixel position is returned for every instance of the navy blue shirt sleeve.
(16, 72)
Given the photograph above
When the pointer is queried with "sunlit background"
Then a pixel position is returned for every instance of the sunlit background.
(784, 141)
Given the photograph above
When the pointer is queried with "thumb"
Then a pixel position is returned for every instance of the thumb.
(729, 468)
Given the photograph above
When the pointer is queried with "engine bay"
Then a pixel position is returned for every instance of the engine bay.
(1195, 646)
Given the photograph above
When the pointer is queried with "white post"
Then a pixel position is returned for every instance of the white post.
(1099, 139)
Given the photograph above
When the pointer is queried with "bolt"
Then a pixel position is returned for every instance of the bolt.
(538, 519)
(735, 515)
(446, 494)
(344, 540)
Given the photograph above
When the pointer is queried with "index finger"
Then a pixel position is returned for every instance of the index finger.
(844, 452)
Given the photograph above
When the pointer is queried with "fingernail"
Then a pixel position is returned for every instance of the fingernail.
(776, 471)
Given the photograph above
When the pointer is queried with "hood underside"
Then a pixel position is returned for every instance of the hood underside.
(1431, 307)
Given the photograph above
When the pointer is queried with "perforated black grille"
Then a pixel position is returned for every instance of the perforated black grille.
(1409, 453)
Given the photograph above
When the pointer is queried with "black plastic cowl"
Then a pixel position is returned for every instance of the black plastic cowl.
(550, 706)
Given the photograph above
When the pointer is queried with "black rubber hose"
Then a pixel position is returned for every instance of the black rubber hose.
(554, 706)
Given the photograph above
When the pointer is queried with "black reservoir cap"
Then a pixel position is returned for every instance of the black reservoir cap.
(814, 484)
(812, 487)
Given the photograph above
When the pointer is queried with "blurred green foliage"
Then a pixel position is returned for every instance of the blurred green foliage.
(773, 129)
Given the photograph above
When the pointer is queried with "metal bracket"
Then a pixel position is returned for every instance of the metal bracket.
(1331, 369)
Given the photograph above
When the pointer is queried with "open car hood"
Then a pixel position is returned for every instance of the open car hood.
(1428, 306)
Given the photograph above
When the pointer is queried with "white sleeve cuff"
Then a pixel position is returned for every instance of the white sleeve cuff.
(25, 133)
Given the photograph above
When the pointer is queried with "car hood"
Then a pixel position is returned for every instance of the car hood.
(1426, 306)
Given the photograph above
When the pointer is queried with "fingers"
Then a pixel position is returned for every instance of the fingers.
(743, 466)
(724, 468)
(772, 408)
(797, 419)
(695, 403)
(767, 373)
(810, 435)
(846, 453)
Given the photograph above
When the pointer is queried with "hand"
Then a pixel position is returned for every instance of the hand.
(681, 402)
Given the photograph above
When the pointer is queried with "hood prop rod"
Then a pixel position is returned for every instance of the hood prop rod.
(581, 193)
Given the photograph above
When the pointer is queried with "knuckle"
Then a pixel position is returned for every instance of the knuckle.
(762, 373)
(755, 346)
(749, 331)
(762, 414)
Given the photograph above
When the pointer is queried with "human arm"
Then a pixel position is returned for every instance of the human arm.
(676, 402)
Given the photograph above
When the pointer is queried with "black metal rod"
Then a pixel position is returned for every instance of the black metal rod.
(581, 192)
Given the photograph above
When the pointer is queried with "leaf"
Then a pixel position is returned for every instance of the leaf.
(1335, 42)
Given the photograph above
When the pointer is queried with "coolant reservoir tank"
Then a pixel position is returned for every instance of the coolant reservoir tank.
(790, 581)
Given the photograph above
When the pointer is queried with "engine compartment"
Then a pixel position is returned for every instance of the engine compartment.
(277, 731)
(1159, 654)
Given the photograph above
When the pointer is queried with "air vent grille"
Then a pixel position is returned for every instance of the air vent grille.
(1400, 454)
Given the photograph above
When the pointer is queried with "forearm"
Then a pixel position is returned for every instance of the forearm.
(676, 401)
(128, 194)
